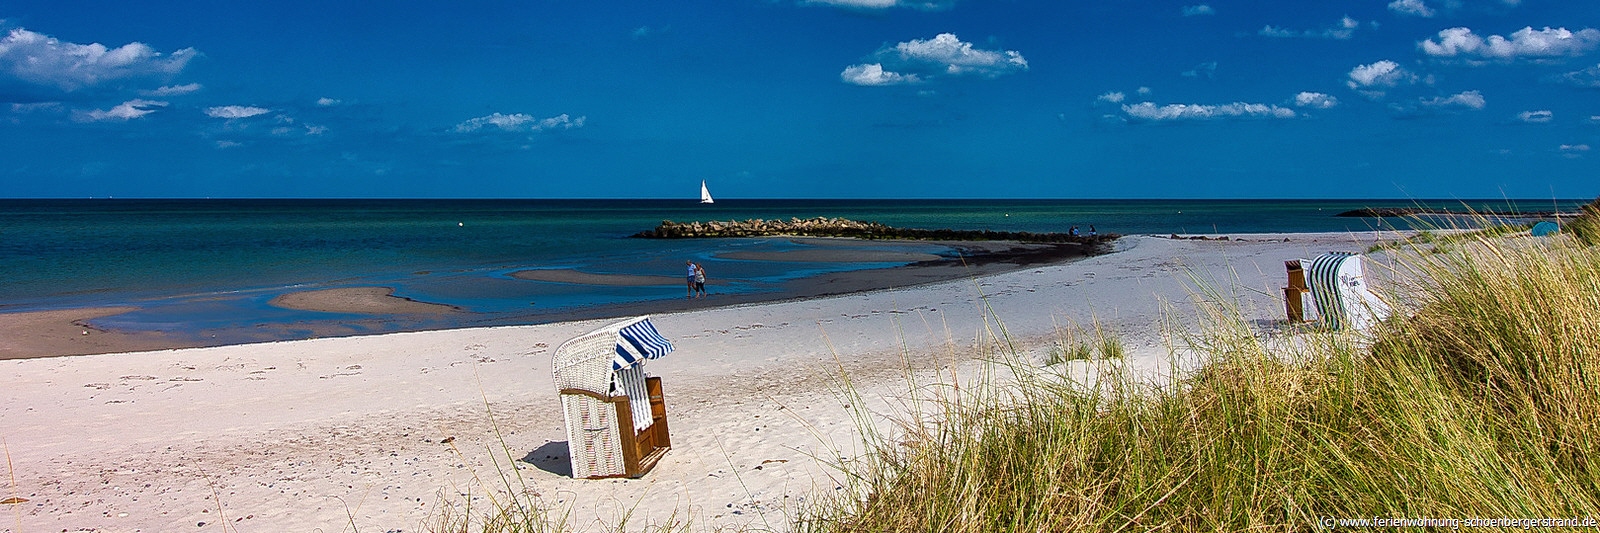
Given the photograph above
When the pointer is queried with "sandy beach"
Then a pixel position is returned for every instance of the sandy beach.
(376, 433)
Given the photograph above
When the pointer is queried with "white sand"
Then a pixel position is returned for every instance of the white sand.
(345, 434)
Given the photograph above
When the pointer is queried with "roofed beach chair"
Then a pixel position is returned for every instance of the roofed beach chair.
(1545, 229)
(1343, 297)
(616, 416)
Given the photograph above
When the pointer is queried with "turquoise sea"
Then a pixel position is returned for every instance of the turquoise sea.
(196, 266)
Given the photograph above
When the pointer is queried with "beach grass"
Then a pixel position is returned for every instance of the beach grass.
(1586, 228)
(1478, 400)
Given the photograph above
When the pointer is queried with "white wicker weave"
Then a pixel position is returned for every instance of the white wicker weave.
(594, 437)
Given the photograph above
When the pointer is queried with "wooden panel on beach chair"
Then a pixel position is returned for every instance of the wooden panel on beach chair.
(658, 412)
(641, 449)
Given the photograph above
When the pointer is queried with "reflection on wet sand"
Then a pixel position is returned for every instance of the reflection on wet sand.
(588, 278)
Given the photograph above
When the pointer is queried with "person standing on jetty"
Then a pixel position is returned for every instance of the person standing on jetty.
(700, 279)
(694, 273)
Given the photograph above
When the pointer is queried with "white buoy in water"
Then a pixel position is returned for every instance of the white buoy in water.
(461, 224)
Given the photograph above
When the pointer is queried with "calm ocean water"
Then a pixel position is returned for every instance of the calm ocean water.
(195, 264)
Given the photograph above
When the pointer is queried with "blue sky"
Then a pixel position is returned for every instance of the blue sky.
(801, 99)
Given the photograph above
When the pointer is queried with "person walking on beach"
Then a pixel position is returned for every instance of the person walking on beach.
(694, 273)
(700, 279)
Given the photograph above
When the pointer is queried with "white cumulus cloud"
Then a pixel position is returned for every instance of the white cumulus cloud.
(1315, 100)
(1468, 99)
(920, 60)
(1115, 97)
(123, 112)
(1344, 29)
(40, 60)
(519, 122)
(235, 111)
(1378, 75)
(1524, 43)
(173, 90)
(1588, 77)
(1202, 9)
(868, 4)
(874, 75)
(958, 57)
(1412, 7)
(326, 102)
(1541, 116)
(1207, 70)
(885, 4)
(1149, 111)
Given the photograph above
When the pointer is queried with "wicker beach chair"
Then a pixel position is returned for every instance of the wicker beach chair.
(1343, 297)
(1544, 228)
(615, 413)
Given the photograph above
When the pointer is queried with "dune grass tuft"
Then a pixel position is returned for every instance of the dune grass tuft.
(1481, 399)
(1587, 226)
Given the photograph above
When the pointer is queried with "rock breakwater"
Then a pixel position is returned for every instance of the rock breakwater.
(841, 227)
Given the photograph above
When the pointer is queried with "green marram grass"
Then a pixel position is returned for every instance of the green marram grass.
(1481, 399)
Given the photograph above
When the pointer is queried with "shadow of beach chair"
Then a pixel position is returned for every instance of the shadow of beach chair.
(615, 413)
(1343, 297)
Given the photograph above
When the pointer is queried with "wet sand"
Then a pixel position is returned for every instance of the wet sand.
(58, 333)
(67, 332)
(589, 278)
(832, 256)
(359, 300)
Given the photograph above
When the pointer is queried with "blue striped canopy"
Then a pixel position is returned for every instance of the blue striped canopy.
(639, 341)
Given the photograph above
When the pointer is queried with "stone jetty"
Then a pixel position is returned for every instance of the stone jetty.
(841, 227)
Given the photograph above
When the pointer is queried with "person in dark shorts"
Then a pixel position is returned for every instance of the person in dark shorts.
(700, 279)
(694, 271)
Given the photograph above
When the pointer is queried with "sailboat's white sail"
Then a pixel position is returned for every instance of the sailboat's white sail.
(705, 194)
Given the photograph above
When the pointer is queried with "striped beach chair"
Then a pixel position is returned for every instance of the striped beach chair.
(1545, 229)
(1343, 297)
(615, 413)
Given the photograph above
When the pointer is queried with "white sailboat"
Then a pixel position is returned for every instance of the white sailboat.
(705, 194)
